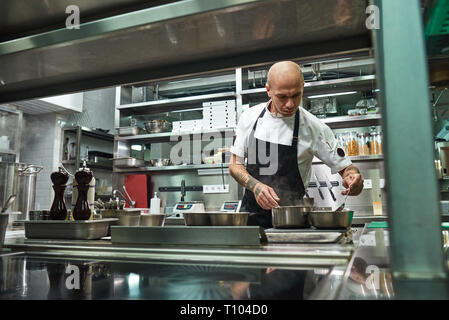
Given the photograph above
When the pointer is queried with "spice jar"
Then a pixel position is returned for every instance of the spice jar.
(352, 146)
(362, 145)
(374, 144)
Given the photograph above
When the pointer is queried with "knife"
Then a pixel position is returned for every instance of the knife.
(329, 187)
(318, 185)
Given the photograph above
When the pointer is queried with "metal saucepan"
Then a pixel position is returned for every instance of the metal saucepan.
(328, 219)
(290, 217)
(305, 202)
(156, 126)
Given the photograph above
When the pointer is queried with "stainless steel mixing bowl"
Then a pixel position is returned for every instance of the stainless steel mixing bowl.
(330, 219)
(152, 219)
(229, 218)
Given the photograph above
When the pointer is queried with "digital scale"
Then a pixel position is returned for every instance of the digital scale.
(187, 206)
(231, 206)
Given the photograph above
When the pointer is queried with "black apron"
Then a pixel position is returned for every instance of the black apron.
(286, 182)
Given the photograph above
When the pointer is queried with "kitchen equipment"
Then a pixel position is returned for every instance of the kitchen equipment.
(72, 151)
(139, 186)
(4, 217)
(188, 206)
(160, 162)
(66, 229)
(39, 215)
(128, 131)
(189, 235)
(26, 188)
(228, 218)
(152, 219)
(128, 162)
(231, 206)
(329, 187)
(58, 210)
(290, 217)
(9, 172)
(330, 219)
(155, 204)
(341, 207)
(307, 202)
(303, 235)
(157, 126)
(125, 217)
(197, 218)
(318, 185)
(8, 203)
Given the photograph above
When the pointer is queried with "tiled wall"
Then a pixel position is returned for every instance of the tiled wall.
(41, 138)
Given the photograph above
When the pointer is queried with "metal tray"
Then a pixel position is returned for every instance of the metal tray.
(128, 131)
(128, 163)
(66, 229)
(304, 236)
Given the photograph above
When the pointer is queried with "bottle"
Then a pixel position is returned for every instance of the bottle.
(155, 204)
(65, 155)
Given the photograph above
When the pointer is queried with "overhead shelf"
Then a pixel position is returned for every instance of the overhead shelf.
(374, 157)
(91, 133)
(107, 165)
(353, 121)
(165, 136)
(172, 168)
(365, 82)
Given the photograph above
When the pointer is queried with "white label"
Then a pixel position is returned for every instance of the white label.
(216, 188)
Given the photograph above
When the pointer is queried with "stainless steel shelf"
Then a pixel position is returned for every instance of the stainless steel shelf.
(91, 133)
(353, 121)
(93, 165)
(165, 136)
(376, 157)
(177, 102)
(328, 86)
(8, 151)
(170, 168)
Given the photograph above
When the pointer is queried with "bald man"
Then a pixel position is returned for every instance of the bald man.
(279, 140)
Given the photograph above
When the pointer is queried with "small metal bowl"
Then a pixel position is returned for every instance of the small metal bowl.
(160, 162)
(331, 219)
(152, 219)
(229, 218)
(156, 126)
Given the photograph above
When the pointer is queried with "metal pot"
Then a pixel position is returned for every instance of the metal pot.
(290, 217)
(156, 126)
(330, 219)
(160, 162)
(9, 172)
(26, 189)
(197, 219)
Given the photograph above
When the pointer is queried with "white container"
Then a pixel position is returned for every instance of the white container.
(155, 204)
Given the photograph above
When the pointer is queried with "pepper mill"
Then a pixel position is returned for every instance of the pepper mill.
(82, 210)
(58, 209)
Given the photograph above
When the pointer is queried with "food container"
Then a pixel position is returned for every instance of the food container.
(290, 217)
(228, 218)
(160, 162)
(157, 126)
(152, 219)
(128, 131)
(128, 163)
(197, 219)
(67, 229)
(330, 219)
(125, 217)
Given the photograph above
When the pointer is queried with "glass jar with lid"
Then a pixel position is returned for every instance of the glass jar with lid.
(352, 144)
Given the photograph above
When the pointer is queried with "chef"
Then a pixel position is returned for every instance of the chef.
(279, 139)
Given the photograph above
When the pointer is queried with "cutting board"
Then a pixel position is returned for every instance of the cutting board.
(137, 187)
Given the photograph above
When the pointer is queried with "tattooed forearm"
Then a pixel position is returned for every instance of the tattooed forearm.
(239, 173)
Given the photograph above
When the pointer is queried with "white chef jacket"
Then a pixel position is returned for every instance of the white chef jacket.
(315, 138)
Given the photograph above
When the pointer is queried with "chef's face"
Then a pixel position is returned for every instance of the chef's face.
(286, 95)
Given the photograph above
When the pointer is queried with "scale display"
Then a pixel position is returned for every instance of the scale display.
(231, 206)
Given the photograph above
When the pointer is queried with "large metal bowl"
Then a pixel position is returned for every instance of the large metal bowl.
(331, 219)
(125, 217)
(229, 218)
(152, 219)
(197, 219)
(156, 126)
(290, 217)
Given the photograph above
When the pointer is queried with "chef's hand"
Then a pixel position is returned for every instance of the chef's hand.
(265, 196)
(353, 183)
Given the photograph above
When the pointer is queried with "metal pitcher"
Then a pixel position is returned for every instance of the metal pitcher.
(26, 189)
